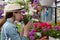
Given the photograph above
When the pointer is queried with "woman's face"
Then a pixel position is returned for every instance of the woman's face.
(18, 15)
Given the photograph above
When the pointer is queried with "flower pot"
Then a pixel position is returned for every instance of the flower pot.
(51, 38)
(46, 2)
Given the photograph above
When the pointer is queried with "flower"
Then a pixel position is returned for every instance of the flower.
(36, 25)
(39, 34)
(23, 11)
(57, 27)
(39, 8)
(35, 16)
(45, 29)
(33, 19)
(1, 12)
(32, 38)
(48, 24)
(35, 1)
(43, 24)
(32, 32)
(1, 16)
(49, 27)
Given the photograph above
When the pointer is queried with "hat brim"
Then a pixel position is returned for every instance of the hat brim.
(16, 10)
(11, 11)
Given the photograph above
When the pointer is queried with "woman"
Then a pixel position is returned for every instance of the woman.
(19, 24)
(9, 30)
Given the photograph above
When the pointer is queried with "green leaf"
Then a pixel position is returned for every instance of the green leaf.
(19, 27)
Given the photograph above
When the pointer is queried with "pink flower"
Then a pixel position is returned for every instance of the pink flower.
(45, 29)
(49, 27)
(35, 25)
(34, 30)
(31, 33)
(48, 24)
(43, 24)
(32, 37)
(57, 28)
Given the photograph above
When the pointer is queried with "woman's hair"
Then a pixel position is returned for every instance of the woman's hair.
(9, 15)
(3, 20)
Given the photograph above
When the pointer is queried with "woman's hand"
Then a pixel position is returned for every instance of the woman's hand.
(27, 27)
(44, 38)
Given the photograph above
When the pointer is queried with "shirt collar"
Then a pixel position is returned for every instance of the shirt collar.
(8, 20)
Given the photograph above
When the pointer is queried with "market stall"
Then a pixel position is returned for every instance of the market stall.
(41, 13)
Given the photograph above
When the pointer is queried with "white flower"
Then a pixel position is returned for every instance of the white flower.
(58, 34)
(34, 10)
(31, 9)
(57, 39)
(16, 22)
(52, 38)
(34, 19)
(31, 13)
(22, 6)
(39, 34)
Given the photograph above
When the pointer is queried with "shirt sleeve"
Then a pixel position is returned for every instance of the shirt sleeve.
(3, 37)
(24, 38)
(13, 34)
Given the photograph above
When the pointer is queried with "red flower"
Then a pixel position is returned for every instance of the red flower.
(43, 24)
(49, 25)
(36, 25)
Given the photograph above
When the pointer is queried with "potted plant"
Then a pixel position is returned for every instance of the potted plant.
(55, 33)
(40, 30)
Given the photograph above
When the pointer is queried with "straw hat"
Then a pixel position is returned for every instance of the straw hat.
(10, 8)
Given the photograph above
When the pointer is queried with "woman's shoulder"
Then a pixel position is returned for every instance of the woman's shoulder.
(8, 25)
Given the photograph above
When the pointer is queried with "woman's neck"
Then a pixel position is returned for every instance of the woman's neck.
(12, 19)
